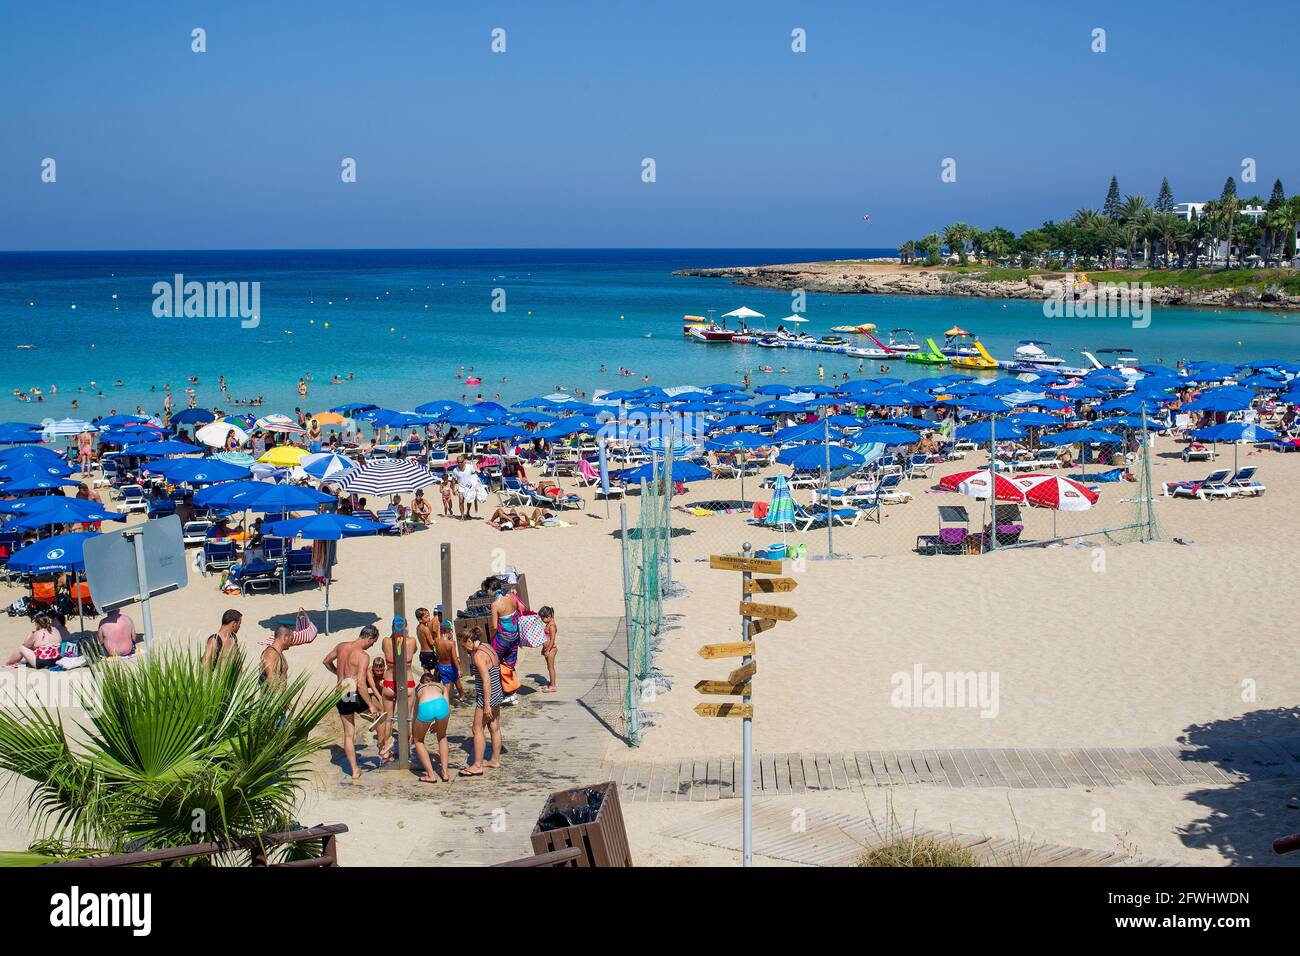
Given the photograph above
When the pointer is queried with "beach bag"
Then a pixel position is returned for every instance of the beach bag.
(509, 682)
(304, 631)
(532, 630)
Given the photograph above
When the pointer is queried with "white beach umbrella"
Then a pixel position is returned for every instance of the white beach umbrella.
(743, 313)
(794, 318)
(215, 434)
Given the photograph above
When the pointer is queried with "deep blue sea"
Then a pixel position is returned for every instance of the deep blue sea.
(403, 322)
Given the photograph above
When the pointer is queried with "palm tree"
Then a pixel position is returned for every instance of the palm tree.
(1133, 215)
(930, 246)
(1168, 228)
(1229, 206)
(907, 251)
(173, 754)
(955, 238)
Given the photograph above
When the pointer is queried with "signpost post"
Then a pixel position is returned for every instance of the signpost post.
(754, 619)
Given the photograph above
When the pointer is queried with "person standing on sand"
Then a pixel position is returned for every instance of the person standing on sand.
(550, 648)
(487, 703)
(348, 662)
(448, 669)
(116, 633)
(275, 669)
(398, 642)
(225, 640)
(85, 450)
(432, 709)
(426, 631)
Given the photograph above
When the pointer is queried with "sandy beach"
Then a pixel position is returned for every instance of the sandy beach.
(1180, 642)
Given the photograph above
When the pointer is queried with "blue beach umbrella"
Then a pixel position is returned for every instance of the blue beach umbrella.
(887, 435)
(815, 457)
(981, 433)
(161, 449)
(48, 464)
(1235, 432)
(326, 527)
(683, 471)
(26, 481)
(198, 471)
(1075, 436)
(808, 431)
(738, 441)
(741, 420)
(61, 553)
(193, 416)
(499, 433)
(54, 510)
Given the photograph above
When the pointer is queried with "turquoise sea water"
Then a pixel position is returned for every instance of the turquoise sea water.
(404, 322)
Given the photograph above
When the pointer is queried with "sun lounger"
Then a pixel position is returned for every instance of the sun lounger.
(388, 518)
(217, 555)
(195, 532)
(819, 516)
(888, 491)
(299, 570)
(1244, 483)
(1195, 451)
(134, 499)
(1213, 485)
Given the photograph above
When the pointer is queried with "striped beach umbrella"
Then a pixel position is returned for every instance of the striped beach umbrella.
(976, 485)
(387, 476)
(326, 466)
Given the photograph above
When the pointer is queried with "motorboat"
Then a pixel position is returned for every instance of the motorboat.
(711, 334)
(903, 340)
(958, 342)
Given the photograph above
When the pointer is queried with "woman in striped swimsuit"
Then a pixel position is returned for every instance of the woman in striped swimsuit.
(487, 703)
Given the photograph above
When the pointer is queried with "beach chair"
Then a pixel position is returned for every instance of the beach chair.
(299, 570)
(1213, 485)
(819, 516)
(260, 576)
(195, 532)
(954, 529)
(1244, 483)
(273, 549)
(161, 507)
(1195, 451)
(920, 466)
(513, 492)
(888, 491)
(389, 519)
(453, 448)
(134, 499)
(1045, 458)
(217, 555)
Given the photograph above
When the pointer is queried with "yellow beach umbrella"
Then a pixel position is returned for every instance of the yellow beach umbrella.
(284, 456)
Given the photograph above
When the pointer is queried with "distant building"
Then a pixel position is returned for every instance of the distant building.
(1185, 209)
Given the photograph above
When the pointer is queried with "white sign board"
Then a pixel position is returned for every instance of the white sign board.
(111, 568)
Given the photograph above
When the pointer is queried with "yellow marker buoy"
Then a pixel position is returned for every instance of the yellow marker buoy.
(391, 329)
(327, 325)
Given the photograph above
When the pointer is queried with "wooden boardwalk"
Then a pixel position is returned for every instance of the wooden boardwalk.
(838, 839)
(720, 778)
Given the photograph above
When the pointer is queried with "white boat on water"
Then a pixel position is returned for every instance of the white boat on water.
(1125, 362)
(710, 334)
(1031, 356)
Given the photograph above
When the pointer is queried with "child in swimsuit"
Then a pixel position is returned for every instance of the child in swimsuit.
(448, 670)
(431, 710)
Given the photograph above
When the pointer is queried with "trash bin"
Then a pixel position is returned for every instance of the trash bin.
(589, 818)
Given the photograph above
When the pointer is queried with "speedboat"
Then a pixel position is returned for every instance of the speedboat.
(711, 334)
(1030, 357)
(1124, 359)
(903, 340)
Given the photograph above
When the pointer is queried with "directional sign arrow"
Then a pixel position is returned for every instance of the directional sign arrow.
(743, 673)
(731, 562)
(773, 612)
(770, 585)
(722, 687)
(758, 626)
(725, 710)
(713, 651)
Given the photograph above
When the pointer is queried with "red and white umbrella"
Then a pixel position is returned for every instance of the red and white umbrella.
(976, 485)
(1055, 492)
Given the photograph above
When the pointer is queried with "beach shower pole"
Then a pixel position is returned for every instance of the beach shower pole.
(747, 731)
(403, 755)
(1148, 491)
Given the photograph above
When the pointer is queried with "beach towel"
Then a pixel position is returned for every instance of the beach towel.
(320, 551)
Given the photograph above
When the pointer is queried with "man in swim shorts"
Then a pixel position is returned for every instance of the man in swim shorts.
(348, 662)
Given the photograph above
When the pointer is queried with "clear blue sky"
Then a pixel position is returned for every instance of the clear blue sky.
(240, 147)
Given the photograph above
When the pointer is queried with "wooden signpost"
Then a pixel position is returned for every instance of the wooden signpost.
(754, 619)
(770, 612)
(726, 710)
